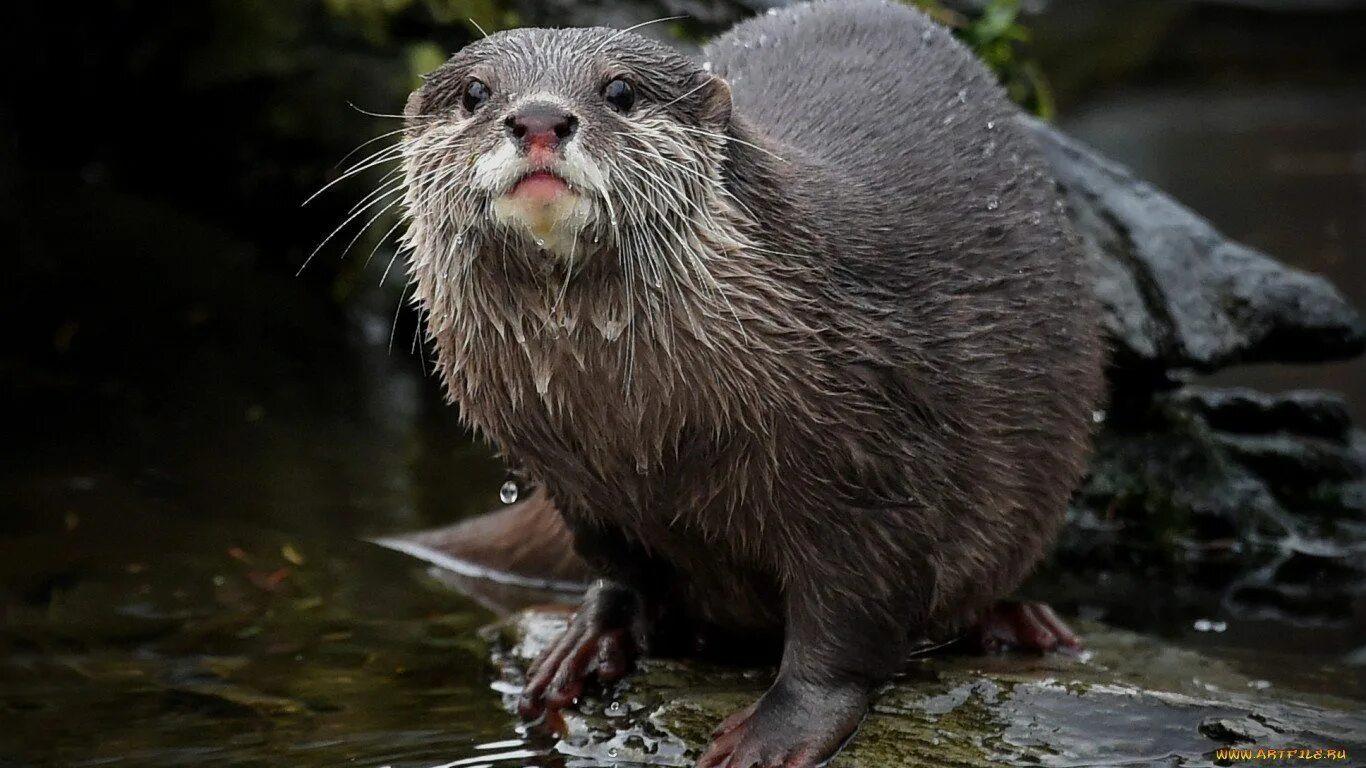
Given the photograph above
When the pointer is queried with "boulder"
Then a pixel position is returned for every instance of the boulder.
(1180, 295)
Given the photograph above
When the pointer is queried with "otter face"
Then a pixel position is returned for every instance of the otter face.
(563, 142)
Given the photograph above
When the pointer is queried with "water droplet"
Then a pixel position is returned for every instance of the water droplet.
(706, 66)
(991, 125)
(993, 203)
(927, 34)
(1036, 218)
(509, 492)
(612, 752)
(963, 96)
(1097, 416)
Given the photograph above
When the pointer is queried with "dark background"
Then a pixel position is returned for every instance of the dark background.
(156, 155)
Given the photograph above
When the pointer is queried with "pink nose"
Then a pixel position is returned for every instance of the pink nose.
(540, 125)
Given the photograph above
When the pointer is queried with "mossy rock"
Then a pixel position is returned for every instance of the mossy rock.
(1128, 700)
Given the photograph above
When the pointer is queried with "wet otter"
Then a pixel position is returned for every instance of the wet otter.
(796, 339)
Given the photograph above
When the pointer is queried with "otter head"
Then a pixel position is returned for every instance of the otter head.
(552, 144)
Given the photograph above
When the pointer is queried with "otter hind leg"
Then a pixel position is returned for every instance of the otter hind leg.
(795, 725)
(844, 638)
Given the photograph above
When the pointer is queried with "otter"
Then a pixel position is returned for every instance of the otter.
(794, 338)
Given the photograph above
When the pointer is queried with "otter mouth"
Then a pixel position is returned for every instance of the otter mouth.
(540, 185)
(546, 206)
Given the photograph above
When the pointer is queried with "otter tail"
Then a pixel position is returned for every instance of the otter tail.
(506, 559)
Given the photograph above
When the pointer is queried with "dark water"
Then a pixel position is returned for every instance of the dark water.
(183, 573)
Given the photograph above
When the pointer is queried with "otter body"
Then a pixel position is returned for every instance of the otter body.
(796, 339)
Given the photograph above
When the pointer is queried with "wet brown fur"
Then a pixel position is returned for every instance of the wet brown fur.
(859, 422)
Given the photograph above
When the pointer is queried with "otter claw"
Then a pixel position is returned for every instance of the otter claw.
(593, 645)
(1026, 626)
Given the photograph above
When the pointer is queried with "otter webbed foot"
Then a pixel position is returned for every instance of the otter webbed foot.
(601, 641)
(794, 725)
(1025, 626)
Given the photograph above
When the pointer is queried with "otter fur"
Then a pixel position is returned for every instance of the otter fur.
(795, 336)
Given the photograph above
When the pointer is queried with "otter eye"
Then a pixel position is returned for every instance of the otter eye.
(476, 93)
(620, 95)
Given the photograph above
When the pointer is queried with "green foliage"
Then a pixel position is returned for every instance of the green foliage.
(998, 37)
(375, 17)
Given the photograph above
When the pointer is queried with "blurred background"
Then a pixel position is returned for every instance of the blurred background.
(199, 432)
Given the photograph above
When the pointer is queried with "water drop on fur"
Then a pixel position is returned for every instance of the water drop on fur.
(508, 492)
(993, 203)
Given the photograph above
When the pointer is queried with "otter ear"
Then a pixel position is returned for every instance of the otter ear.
(716, 105)
(414, 106)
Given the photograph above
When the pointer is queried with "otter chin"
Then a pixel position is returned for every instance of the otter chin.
(808, 390)
(546, 207)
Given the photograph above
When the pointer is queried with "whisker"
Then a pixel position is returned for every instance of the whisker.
(725, 137)
(386, 155)
(367, 143)
(376, 114)
(634, 27)
(398, 310)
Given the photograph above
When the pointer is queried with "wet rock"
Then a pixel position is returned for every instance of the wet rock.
(1180, 295)
(1213, 463)
(1246, 411)
(1244, 730)
(1128, 701)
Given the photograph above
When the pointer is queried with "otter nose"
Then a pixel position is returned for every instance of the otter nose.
(543, 125)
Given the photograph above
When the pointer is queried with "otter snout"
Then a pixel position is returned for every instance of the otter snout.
(540, 126)
(541, 176)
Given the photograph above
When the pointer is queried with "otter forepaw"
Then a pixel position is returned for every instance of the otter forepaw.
(794, 725)
(600, 642)
(1026, 626)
